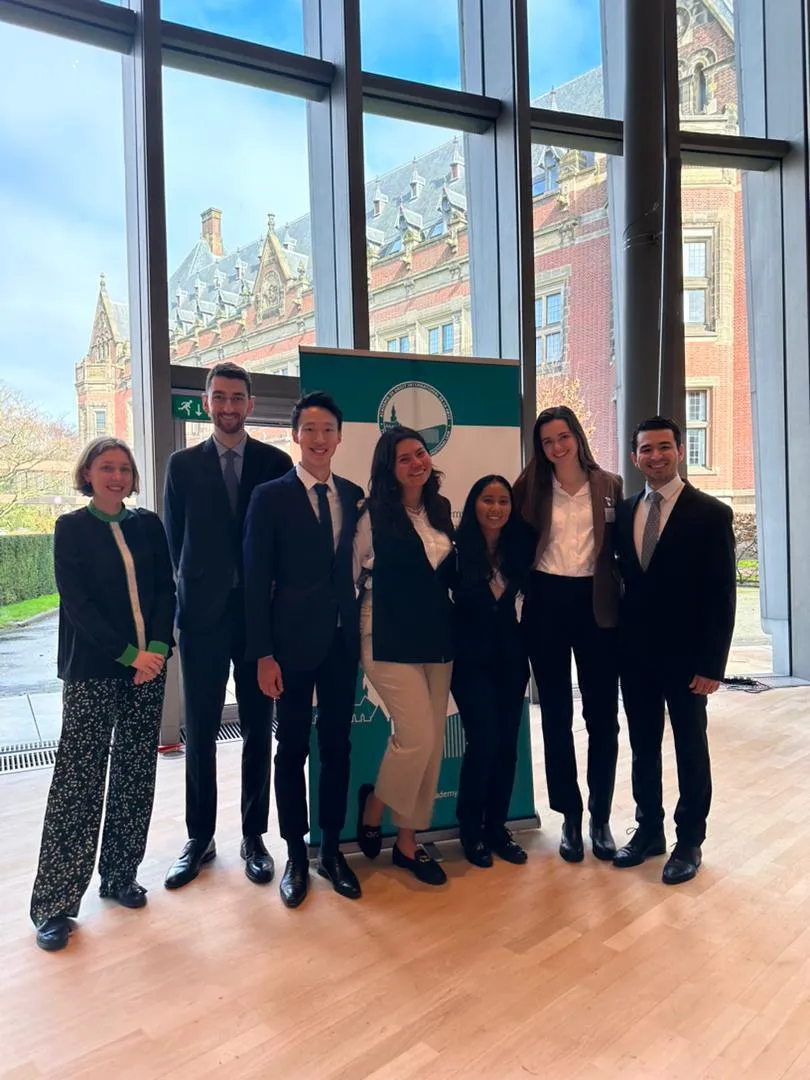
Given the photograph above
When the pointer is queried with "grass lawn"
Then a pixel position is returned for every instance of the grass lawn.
(14, 613)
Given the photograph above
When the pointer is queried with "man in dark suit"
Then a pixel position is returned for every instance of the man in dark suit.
(675, 547)
(208, 488)
(302, 628)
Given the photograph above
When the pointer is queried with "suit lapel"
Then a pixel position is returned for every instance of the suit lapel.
(598, 494)
(669, 536)
(249, 478)
(544, 531)
(348, 512)
(630, 528)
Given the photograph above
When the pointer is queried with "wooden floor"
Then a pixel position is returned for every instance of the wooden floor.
(545, 970)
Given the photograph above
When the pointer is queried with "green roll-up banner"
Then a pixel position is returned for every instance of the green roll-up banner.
(468, 411)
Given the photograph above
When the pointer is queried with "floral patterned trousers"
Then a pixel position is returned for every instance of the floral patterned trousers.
(92, 712)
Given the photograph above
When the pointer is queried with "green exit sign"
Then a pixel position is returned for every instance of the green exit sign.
(188, 407)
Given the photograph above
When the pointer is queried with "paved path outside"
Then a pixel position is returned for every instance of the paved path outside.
(31, 695)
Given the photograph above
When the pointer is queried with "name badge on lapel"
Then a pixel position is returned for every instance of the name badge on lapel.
(610, 510)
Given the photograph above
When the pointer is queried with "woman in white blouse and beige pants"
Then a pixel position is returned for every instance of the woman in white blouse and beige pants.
(571, 606)
(404, 563)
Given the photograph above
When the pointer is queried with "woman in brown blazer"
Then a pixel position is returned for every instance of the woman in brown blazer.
(571, 606)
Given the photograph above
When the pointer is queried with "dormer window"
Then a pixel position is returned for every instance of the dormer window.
(379, 201)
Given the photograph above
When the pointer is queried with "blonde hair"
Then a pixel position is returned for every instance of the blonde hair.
(95, 449)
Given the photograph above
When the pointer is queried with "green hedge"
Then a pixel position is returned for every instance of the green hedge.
(26, 567)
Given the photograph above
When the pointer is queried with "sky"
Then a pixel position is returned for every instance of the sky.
(62, 184)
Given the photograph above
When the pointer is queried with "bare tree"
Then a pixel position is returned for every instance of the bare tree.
(29, 439)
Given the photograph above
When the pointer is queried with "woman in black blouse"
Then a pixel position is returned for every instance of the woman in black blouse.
(116, 612)
(491, 667)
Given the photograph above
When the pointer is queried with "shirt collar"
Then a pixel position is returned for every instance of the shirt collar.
(668, 490)
(557, 486)
(238, 449)
(309, 481)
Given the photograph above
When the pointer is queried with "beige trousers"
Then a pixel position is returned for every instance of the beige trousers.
(415, 697)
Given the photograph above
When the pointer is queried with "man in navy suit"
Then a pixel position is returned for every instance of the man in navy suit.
(302, 628)
(208, 488)
(675, 547)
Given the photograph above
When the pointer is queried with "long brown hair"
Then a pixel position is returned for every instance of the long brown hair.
(533, 486)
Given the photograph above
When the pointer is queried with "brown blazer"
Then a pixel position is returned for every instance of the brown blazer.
(606, 494)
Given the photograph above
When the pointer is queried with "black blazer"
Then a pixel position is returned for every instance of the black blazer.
(487, 628)
(294, 592)
(681, 611)
(413, 613)
(96, 624)
(205, 538)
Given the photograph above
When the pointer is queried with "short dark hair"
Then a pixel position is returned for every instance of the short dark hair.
(317, 399)
(657, 423)
(228, 370)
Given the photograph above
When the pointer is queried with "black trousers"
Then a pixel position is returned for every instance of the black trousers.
(335, 680)
(490, 698)
(644, 693)
(207, 658)
(558, 619)
(91, 711)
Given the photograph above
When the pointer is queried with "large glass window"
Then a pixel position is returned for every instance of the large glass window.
(719, 430)
(573, 305)
(707, 66)
(565, 56)
(416, 235)
(280, 24)
(238, 225)
(65, 363)
(415, 41)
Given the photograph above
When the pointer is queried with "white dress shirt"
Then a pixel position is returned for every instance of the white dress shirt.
(335, 509)
(669, 496)
(570, 551)
(437, 544)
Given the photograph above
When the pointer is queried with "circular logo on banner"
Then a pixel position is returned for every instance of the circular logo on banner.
(420, 406)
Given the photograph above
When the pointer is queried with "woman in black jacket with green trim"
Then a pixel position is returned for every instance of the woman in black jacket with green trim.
(116, 613)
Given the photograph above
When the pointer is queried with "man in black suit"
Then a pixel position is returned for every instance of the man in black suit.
(675, 547)
(208, 488)
(302, 628)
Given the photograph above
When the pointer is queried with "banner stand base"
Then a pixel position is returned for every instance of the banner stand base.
(430, 837)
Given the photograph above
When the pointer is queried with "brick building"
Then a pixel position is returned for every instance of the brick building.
(254, 304)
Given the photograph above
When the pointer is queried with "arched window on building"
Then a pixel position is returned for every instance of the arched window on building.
(701, 90)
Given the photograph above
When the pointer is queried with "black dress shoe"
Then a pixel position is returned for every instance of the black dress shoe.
(476, 851)
(53, 934)
(344, 880)
(571, 847)
(640, 846)
(294, 882)
(369, 837)
(193, 856)
(259, 865)
(424, 868)
(504, 846)
(604, 846)
(131, 895)
(682, 865)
